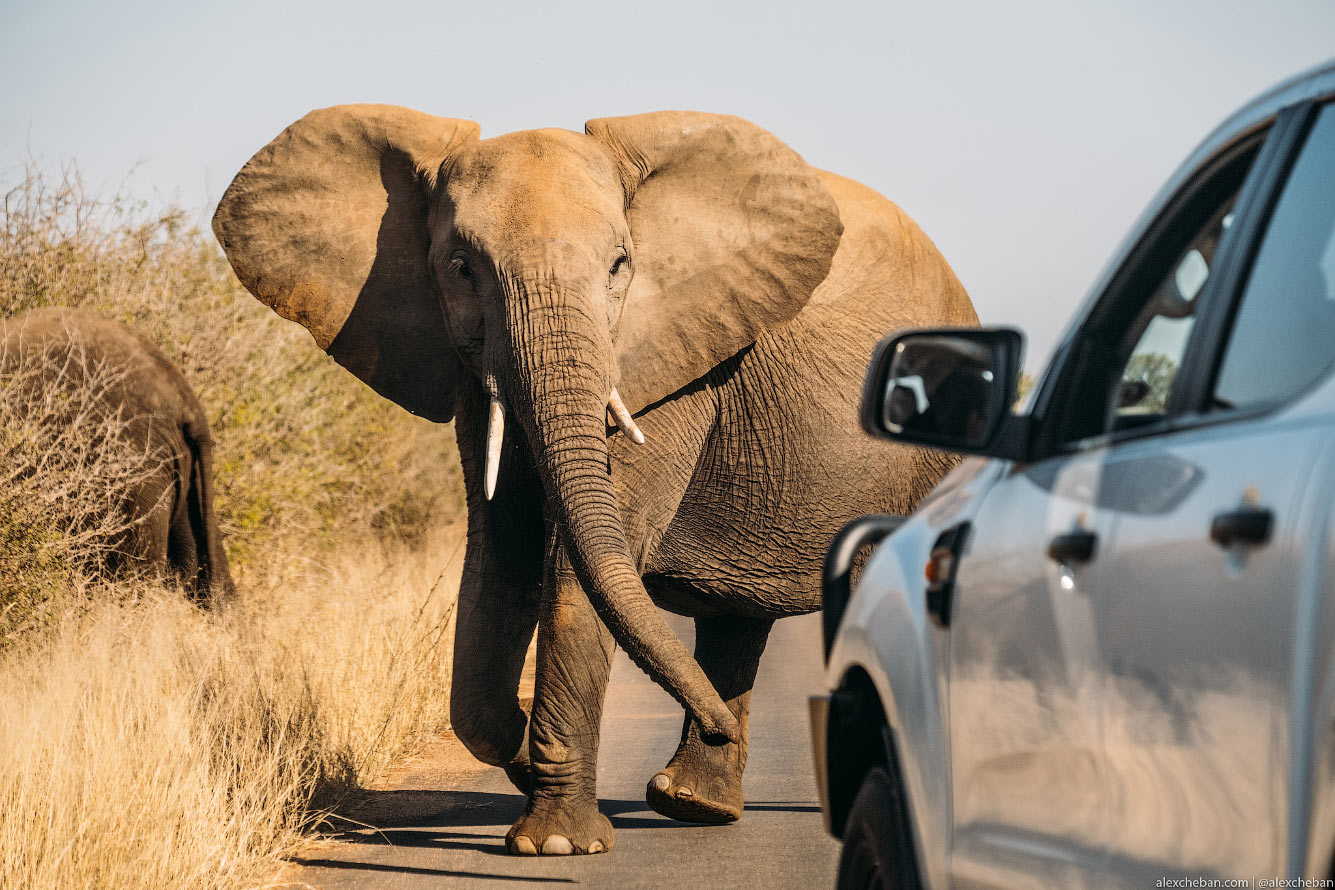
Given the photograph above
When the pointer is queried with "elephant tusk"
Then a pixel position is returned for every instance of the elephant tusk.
(623, 419)
(495, 435)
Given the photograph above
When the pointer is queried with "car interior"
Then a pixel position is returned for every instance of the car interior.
(1155, 343)
(1131, 347)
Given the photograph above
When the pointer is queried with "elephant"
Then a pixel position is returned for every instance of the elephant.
(169, 510)
(651, 337)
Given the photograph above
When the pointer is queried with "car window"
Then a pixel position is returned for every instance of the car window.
(1156, 341)
(1126, 355)
(1283, 336)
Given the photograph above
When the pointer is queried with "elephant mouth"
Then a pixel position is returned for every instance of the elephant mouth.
(621, 418)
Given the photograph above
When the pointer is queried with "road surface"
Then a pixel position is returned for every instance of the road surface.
(455, 838)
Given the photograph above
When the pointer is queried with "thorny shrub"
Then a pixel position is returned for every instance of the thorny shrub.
(307, 455)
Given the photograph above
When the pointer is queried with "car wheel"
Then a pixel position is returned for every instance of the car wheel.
(877, 854)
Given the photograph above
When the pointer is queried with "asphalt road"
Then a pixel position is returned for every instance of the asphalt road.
(457, 841)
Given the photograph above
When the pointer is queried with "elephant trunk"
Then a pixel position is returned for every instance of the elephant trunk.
(562, 383)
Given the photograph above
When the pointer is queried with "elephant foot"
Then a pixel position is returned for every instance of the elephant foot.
(559, 828)
(689, 791)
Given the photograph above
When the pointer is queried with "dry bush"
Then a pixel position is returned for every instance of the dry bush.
(307, 454)
(148, 744)
(67, 473)
(151, 745)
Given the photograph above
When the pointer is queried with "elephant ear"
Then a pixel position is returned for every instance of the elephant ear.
(327, 226)
(732, 232)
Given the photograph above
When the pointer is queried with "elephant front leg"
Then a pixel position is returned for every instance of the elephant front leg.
(574, 662)
(703, 781)
(495, 622)
(499, 597)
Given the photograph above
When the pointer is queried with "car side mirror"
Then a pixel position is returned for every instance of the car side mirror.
(949, 388)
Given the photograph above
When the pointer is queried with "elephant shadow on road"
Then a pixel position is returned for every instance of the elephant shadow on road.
(459, 820)
(433, 818)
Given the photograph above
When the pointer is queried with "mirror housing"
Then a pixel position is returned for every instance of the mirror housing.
(948, 388)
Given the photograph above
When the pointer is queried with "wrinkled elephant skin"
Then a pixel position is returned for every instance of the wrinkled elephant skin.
(681, 277)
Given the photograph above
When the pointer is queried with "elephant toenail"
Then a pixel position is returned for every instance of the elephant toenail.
(685, 792)
(596, 847)
(523, 846)
(661, 782)
(556, 845)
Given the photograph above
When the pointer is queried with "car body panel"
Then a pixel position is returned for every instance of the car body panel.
(1029, 791)
(1194, 789)
(1311, 802)
(887, 633)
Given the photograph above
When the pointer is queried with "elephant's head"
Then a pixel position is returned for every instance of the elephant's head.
(557, 268)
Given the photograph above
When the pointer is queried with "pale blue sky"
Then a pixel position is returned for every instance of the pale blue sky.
(1024, 136)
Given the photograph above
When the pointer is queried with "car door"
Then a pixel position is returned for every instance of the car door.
(1034, 798)
(1195, 627)
(1026, 772)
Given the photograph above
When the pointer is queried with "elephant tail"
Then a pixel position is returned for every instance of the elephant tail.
(213, 581)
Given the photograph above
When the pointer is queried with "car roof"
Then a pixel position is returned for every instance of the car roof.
(1316, 83)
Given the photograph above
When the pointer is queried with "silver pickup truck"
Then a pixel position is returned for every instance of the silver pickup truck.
(1100, 653)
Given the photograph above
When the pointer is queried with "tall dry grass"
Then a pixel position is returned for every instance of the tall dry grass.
(145, 743)
(151, 745)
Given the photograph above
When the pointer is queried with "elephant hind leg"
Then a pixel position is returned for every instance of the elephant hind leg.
(703, 782)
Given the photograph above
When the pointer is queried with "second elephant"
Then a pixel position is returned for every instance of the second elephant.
(168, 518)
(688, 273)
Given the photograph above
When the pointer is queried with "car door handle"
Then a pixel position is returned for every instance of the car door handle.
(1245, 525)
(1073, 548)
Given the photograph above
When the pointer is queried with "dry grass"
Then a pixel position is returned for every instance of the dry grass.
(148, 744)
(152, 745)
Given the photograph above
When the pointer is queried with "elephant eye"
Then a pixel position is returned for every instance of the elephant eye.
(459, 266)
(620, 263)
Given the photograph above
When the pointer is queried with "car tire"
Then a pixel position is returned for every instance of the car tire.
(877, 854)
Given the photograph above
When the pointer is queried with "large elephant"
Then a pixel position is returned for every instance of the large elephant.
(169, 513)
(688, 273)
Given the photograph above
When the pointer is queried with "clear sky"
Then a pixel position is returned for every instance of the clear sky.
(1024, 136)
